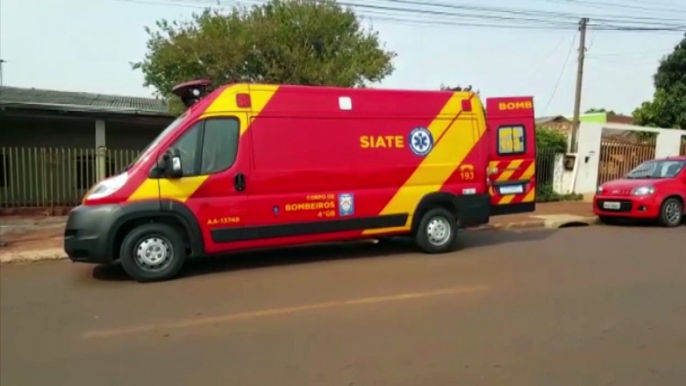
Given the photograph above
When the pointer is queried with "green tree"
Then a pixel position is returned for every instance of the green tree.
(668, 107)
(591, 111)
(445, 87)
(551, 141)
(282, 41)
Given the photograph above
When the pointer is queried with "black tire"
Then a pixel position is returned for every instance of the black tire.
(157, 237)
(609, 220)
(448, 221)
(671, 213)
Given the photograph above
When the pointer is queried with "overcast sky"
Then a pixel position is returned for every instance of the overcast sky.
(87, 45)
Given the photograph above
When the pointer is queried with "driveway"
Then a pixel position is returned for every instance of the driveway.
(578, 306)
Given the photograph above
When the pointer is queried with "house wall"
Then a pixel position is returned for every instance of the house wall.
(127, 136)
(43, 132)
(77, 132)
(668, 143)
(51, 161)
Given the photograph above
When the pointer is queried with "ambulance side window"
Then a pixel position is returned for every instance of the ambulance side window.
(188, 147)
(220, 144)
(511, 140)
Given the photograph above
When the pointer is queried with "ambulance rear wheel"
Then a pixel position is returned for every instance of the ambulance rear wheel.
(437, 231)
(152, 252)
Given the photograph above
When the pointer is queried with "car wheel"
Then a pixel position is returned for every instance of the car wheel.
(437, 231)
(609, 220)
(152, 252)
(671, 212)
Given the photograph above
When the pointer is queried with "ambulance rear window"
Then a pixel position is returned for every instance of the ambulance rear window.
(511, 140)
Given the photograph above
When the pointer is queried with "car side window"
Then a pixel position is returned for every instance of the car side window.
(220, 144)
(189, 147)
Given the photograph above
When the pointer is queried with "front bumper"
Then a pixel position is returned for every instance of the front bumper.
(640, 207)
(87, 232)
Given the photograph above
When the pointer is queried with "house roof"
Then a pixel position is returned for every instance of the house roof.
(32, 98)
(552, 118)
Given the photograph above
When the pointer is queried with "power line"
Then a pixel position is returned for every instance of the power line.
(599, 4)
(559, 78)
(412, 11)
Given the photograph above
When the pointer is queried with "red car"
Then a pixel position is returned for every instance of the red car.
(655, 189)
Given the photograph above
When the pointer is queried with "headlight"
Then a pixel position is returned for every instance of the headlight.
(600, 189)
(108, 186)
(643, 191)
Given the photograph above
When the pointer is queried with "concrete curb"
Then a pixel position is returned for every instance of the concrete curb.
(30, 256)
(554, 223)
(545, 223)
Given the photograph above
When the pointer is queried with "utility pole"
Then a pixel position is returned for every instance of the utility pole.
(572, 145)
(1, 62)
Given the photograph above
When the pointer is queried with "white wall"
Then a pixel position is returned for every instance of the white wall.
(590, 135)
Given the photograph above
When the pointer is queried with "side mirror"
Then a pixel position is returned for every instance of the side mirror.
(171, 166)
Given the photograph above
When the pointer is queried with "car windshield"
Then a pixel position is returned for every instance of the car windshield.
(657, 169)
(157, 139)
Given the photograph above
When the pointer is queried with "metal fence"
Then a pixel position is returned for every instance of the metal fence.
(683, 146)
(50, 177)
(545, 167)
(619, 158)
(59, 177)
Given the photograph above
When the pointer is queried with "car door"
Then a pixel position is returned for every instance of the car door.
(213, 182)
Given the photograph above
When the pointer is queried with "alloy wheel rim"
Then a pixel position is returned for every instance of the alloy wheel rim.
(673, 213)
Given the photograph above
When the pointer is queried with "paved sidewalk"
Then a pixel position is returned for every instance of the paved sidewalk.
(40, 238)
(31, 238)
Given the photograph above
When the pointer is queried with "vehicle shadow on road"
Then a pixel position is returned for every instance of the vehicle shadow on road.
(328, 252)
(478, 239)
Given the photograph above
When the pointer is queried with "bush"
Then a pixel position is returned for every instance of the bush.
(551, 140)
(546, 194)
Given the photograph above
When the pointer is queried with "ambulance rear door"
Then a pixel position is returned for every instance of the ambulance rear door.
(511, 173)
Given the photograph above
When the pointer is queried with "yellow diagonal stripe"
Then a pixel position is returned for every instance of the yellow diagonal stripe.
(506, 199)
(531, 196)
(226, 102)
(435, 169)
(529, 173)
(223, 105)
(509, 171)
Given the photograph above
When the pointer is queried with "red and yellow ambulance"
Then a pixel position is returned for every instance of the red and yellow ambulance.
(253, 166)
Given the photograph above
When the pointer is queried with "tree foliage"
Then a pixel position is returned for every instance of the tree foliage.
(551, 140)
(594, 110)
(668, 107)
(445, 87)
(280, 42)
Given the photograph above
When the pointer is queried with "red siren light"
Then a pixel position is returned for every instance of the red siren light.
(243, 100)
(467, 105)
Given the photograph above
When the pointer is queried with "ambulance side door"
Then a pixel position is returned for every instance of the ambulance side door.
(213, 183)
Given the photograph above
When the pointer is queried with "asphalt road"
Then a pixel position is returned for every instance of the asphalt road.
(579, 306)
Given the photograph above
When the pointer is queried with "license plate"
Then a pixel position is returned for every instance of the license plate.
(512, 189)
(611, 205)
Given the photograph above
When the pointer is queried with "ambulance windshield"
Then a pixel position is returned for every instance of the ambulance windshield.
(172, 126)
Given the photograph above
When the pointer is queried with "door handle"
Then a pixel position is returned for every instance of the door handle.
(239, 182)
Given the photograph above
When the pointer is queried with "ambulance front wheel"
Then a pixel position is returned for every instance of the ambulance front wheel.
(152, 252)
(437, 231)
